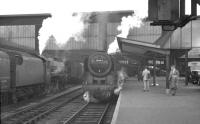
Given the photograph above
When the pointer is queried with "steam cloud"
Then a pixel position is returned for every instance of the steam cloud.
(62, 26)
(127, 23)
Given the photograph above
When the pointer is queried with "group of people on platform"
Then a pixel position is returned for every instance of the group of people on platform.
(145, 76)
(173, 79)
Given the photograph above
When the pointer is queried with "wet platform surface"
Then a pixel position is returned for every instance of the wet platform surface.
(156, 107)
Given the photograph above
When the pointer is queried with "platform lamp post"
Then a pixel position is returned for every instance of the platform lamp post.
(186, 68)
(154, 72)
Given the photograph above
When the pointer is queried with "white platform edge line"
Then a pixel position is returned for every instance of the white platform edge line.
(115, 115)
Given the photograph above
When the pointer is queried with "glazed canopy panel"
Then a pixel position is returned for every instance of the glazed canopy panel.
(20, 36)
(185, 38)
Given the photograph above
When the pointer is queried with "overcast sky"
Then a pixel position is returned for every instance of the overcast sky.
(46, 6)
(49, 6)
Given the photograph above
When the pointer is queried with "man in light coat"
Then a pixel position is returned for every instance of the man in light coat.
(146, 78)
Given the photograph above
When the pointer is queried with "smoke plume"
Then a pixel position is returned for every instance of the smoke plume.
(62, 26)
(127, 23)
(64, 23)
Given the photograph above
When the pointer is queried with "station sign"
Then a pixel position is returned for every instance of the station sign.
(193, 63)
(126, 62)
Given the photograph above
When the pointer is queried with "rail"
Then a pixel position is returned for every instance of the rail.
(89, 114)
(33, 114)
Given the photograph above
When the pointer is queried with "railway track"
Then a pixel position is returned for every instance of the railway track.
(33, 114)
(64, 112)
(91, 113)
(109, 114)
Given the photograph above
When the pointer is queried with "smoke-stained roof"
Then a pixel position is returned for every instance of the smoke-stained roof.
(23, 19)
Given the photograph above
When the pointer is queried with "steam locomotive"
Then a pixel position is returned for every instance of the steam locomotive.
(24, 75)
(100, 78)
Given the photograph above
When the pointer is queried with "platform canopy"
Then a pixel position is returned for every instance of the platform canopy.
(21, 31)
(140, 49)
(23, 19)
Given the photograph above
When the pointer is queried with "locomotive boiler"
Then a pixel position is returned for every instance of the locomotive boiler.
(100, 77)
(24, 75)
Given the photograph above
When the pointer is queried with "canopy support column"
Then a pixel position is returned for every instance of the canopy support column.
(154, 71)
(167, 73)
(186, 67)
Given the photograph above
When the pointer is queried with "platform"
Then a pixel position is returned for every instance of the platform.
(155, 107)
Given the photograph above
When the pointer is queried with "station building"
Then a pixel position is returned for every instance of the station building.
(143, 44)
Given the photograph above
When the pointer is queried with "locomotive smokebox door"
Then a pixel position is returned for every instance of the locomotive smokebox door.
(99, 64)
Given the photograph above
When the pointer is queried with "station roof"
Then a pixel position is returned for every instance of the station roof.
(140, 49)
(23, 19)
